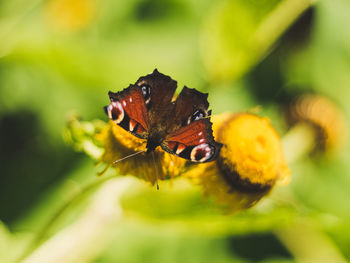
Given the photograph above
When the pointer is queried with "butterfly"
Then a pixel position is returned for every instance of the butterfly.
(180, 126)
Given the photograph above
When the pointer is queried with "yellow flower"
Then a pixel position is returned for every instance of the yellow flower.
(250, 163)
(323, 116)
(119, 143)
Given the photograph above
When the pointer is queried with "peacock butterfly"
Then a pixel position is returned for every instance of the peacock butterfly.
(181, 126)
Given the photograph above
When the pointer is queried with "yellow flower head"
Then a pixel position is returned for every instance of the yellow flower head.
(323, 115)
(250, 162)
(119, 143)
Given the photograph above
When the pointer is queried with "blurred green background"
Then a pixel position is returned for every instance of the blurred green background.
(60, 57)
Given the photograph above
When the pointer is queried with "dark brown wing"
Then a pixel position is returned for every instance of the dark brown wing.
(159, 90)
(190, 105)
(139, 106)
(194, 142)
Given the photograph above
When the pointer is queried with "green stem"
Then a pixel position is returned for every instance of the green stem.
(298, 142)
(45, 229)
(270, 30)
(276, 23)
(77, 242)
(305, 241)
(308, 244)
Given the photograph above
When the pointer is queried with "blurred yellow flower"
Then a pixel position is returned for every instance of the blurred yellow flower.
(324, 117)
(118, 143)
(70, 15)
(250, 163)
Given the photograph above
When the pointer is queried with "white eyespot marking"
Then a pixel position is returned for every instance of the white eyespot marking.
(201, 140)
(109, 111)
(116, 112)
(130, 100)
(180, 148)
(202, 153)
(200, 133)
(124, 103)
(146, 92)
(197, 115)
(132, 125)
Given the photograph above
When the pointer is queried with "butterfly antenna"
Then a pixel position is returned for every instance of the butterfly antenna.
(155, 167)
(126, 157)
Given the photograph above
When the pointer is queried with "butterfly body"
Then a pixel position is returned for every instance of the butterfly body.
(180, 126)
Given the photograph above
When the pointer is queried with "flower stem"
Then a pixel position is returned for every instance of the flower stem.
(45, 229)
(270, 30)
(308, 244)
(298, 142)
(305, 241)
(277, 22)
(77, 242)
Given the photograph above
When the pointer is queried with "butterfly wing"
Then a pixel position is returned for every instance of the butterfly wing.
(182, 127)
(128, 110)
(194, 142)
(189, 106)
(137, 107)
(159, 90)
(190, 133)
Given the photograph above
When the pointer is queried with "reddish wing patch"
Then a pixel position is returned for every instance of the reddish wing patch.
(194, 142)
(128, 110)
(192, 134)
(134, 106)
